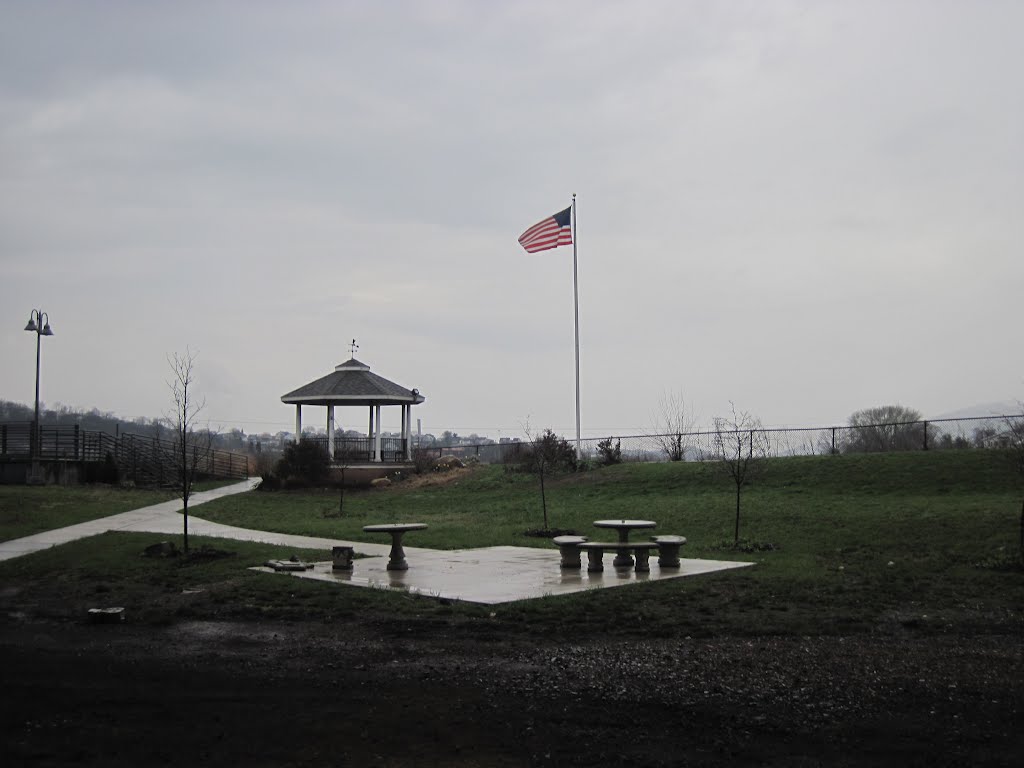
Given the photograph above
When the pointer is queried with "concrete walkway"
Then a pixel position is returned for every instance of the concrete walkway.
(165, 518)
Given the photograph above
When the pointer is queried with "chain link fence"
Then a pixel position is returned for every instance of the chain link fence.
(939, 434)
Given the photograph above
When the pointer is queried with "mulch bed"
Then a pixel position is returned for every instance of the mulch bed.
(549, 533)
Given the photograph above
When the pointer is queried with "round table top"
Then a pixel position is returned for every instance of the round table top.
(391, 527)
(625, 524)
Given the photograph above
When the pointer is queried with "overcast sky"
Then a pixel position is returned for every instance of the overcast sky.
(806, 208)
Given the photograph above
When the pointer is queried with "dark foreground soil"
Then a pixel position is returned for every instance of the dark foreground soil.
(251, 694)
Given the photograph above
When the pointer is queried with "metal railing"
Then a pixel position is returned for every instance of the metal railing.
(359, 450)
(69, 442)
(140, 459)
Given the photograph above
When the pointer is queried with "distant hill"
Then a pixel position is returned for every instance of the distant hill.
(998, 408)
(103, 421)
(95, 419)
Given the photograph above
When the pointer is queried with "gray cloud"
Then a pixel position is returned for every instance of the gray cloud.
(807, 208)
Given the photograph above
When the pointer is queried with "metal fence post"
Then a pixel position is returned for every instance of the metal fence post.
(925, 435)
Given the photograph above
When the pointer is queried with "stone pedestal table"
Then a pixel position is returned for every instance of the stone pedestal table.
(397, 561)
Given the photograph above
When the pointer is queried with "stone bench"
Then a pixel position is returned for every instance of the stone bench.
(641, 550)
(668, 550)
(569, 548)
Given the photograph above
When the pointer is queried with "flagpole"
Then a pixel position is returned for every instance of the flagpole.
(576, 308)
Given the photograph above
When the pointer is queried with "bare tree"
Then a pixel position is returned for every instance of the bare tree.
(344, 457)
(531, 456)
(544, 453)
(191, 449)
(740, 446)
(674, 423)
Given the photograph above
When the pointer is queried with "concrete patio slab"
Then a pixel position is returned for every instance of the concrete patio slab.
(493, 575)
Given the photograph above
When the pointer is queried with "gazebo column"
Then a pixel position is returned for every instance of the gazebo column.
(403, 430)
(376, 436)
(369, 436)
(330, 431)
(407, 429)
(298, 422)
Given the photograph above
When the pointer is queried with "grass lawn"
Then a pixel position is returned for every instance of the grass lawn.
(25, 509)
(844, 544)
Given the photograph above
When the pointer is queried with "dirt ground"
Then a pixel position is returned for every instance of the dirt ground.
(414, 694)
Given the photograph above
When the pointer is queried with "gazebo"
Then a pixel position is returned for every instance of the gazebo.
(352, 384)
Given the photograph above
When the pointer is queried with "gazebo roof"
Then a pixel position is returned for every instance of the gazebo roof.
(351, 383)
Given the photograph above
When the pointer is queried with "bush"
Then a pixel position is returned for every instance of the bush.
(548, 452)
(609, 454)
(673, 447)
(305, 462)
(423, 460)
(269, 482)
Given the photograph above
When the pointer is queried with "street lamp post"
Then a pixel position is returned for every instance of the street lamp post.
(39, 322)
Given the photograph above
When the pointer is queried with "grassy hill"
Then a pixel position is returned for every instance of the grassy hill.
(795, 499)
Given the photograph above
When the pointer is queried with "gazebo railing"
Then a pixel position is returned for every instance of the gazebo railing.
(359, 450)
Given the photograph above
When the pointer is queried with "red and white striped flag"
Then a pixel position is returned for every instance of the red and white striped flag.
(550, 233)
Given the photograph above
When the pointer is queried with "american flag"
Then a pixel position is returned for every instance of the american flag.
(552, 232)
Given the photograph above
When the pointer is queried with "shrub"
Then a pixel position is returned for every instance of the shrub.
(304, 462)
(263, 463)
(423, 460)
(547, 453)
(608, 453)
(269, 482)
(673, 447)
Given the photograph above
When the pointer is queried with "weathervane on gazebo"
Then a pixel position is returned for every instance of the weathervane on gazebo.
(352, 348)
